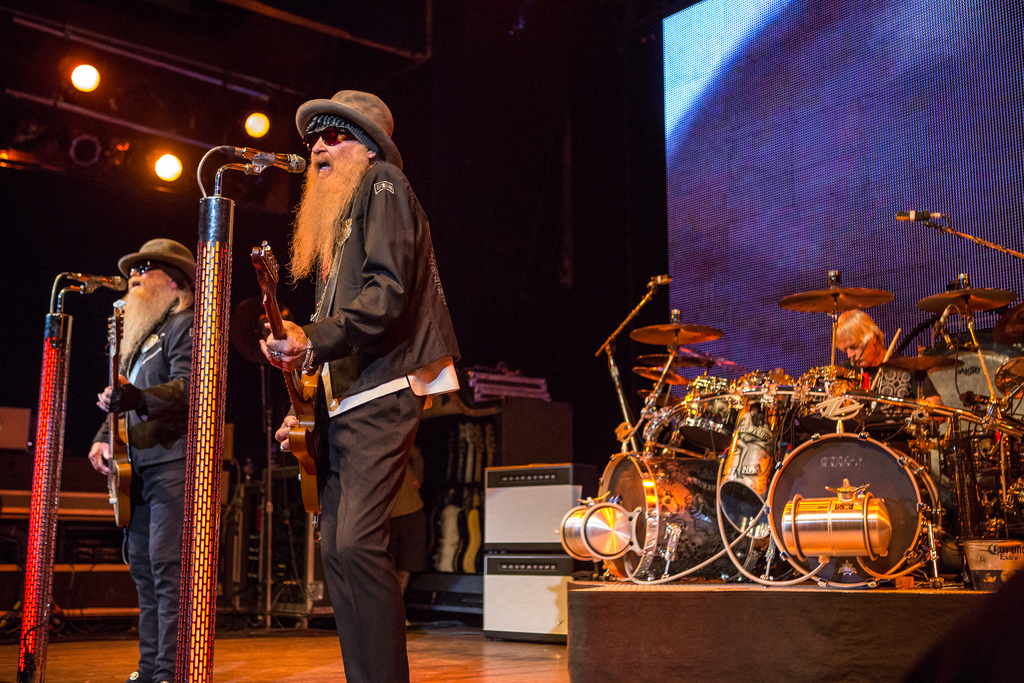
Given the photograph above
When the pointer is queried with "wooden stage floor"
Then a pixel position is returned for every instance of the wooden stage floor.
(454, 654)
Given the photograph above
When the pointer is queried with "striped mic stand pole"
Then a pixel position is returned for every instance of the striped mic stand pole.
(207, 396)
(42, 520)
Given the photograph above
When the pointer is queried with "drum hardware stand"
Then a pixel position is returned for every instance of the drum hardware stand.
(977, 240)
(608, 347)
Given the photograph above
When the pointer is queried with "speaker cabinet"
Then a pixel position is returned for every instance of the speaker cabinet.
(524, 506)
(525, 597)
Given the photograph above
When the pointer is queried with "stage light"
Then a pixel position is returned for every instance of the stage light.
(257, 125)
(85, 150)
(86, 78)
(168, 167)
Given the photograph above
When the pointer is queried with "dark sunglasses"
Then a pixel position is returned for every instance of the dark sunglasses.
(142, 268)
(331, 135)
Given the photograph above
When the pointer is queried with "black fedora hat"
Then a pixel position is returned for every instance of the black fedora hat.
(361, 108)
(164, 251)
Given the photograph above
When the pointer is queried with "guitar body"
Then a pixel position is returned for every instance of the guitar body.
(303, 436)
(119, 481)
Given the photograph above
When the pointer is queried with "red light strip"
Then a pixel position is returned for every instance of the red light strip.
(205, 456)
(42, 524)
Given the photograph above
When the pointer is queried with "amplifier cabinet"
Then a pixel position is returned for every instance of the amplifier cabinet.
(525, 597)
(524, 506)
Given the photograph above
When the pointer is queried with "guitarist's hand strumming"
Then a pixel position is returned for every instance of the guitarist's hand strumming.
(282, 433)
(99, 456)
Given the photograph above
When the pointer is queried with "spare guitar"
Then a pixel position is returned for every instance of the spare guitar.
(119, 481)
(301, 438)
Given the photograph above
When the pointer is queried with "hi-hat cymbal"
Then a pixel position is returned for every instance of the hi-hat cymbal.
(680, 361)
(915, 363)
(1010, 375)
(1009, 328)
(835, 299)
(674, 334)
(973, 299)
(655, 373)
(664, 400)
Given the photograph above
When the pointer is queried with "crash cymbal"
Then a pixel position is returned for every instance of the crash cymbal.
(1009, 328)
(1010, 375)
(655, 373)
(674, 334)
(973, 298)
(915, 363)
(680, 361)
(709, 360)
(835, 299)
(663, 401)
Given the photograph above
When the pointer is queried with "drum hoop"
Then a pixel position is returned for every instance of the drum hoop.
(651, 518)
(777, 537)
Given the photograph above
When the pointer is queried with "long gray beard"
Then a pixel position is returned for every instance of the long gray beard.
(141, 314)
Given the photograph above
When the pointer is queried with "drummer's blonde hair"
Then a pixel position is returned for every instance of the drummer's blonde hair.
(854, 327)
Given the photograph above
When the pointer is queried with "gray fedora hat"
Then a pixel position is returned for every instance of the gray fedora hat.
(361, 108)
(164, 251)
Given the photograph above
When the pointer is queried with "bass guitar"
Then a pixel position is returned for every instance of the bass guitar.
(119, 481)
(301, 438)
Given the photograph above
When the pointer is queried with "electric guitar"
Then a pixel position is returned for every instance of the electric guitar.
(301, 438)
(119, 481)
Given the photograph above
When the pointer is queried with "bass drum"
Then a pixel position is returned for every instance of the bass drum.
(901, 483)
(674, 526)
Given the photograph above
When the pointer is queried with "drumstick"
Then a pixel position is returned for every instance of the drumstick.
(885, 358)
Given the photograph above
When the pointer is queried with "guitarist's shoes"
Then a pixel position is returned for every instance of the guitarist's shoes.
(139, 677)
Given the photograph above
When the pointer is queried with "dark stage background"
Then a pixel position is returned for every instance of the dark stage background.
(796, 130)
(532, 135)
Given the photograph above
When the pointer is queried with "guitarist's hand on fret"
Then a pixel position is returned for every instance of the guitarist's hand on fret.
(282, 433)
(99, 456)
(104, 398)
(289, 353)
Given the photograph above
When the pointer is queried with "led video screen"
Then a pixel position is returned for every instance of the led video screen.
(795, 131)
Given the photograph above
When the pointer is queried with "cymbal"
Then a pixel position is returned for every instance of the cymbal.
(675, 334)
(655, 373)
(1009, 328)
(974, 298)
(1010, 375)
(663, 401)
(915, 363)
(835, 299)
(679, 362)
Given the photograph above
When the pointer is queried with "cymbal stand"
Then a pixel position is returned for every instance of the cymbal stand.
(608, 347)
(977, 240)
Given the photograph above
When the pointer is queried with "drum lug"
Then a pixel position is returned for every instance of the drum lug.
(924, 508)
(863, 436)
(816, 437)
(872, 583)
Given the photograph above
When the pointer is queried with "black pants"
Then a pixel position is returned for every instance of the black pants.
(154, 558)
(369, 447)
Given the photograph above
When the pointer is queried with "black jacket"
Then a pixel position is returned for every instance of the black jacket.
(388, 316)
(161, 368)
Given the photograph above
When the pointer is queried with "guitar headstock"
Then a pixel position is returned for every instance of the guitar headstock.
(266, 267)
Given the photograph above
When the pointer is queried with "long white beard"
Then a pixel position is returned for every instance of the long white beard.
(144, 307)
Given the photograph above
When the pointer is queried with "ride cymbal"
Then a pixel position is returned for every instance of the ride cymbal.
(674, 334)
(835, 299)
(655, 373)
(915, 363)
(973, 299)
(1009, 328)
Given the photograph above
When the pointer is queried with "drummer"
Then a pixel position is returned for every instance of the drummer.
(862, 341)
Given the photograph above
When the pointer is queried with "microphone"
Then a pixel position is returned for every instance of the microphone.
(94, 282)
(292, 163)
(919, 216)
(659, 280)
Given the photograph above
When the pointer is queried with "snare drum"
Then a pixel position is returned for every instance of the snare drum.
(672, 505)
(908, 493)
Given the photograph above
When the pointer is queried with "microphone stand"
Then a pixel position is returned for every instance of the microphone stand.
(977, 240)
(608, 347)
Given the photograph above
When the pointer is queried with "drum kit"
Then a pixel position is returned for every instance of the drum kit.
(783, 480)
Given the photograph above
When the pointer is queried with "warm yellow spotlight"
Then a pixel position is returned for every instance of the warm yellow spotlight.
(257, 125)
(168, 167)
(86, 78)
